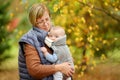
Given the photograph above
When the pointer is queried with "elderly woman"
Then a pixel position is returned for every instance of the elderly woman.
(32, 63)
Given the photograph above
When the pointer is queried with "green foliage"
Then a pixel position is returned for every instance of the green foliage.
(114, 55)
(4, 34)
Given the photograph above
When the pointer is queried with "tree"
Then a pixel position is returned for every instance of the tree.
(4, 34)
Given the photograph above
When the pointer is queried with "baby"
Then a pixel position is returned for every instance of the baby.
(56, 39)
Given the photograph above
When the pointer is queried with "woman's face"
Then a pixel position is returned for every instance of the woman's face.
(44, 23)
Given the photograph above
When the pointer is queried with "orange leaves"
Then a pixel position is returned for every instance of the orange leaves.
(13, 24)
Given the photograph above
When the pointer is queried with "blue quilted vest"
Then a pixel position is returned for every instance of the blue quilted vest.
(34, 37)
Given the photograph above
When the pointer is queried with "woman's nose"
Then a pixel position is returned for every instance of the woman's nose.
(45, 23)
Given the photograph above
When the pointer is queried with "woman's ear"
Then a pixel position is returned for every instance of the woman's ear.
(48, 33)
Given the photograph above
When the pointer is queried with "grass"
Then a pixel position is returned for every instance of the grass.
(9, 68)
(12, 62)
(114, 55)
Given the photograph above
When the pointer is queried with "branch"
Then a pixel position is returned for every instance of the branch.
(115, 17)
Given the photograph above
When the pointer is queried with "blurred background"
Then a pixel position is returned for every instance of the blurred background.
(92, 28)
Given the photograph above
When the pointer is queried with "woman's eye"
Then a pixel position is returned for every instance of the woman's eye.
(41, 22)
(47, 19)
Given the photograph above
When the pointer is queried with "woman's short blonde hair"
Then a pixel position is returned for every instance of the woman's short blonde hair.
(37, 11)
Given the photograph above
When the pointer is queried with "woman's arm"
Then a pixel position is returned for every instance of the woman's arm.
(34, 66)
(38, 70)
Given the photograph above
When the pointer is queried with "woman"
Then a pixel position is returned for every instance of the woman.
(32, 63)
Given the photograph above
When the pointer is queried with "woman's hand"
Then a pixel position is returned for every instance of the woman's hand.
(65, 68)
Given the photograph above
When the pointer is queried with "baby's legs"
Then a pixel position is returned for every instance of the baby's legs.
(58, 76)
(66, 78)
(69, 78)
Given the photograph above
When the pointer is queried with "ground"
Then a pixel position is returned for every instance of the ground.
(105, 71)
(9, 74)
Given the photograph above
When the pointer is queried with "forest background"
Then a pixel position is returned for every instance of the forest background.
(92, 28)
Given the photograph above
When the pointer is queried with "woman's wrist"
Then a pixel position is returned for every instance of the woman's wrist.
(58, 67)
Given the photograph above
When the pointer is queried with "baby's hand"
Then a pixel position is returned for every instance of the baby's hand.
(44, 50)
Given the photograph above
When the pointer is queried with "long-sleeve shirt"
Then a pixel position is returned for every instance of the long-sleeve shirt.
(35, 69)
(51, 57)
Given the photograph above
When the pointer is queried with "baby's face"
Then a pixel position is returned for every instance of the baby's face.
(55, 34)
